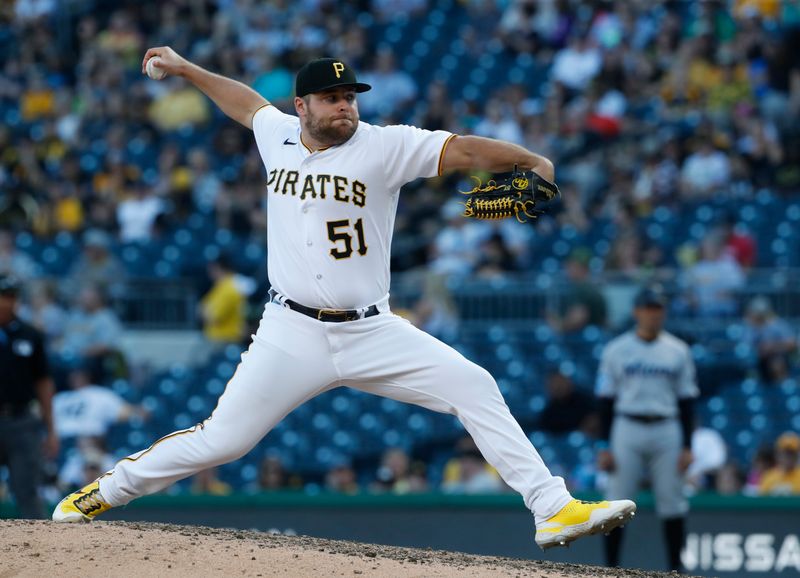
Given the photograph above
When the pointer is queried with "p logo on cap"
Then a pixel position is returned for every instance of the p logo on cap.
(326, 73)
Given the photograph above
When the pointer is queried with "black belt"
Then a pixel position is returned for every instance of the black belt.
(327, 315)
(646, 418)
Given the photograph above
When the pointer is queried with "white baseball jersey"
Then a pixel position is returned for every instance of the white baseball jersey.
(331, 212)
(647, 378)
(88, 411)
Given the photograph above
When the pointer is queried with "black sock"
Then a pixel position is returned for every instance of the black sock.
(612, 544)
(674, 533)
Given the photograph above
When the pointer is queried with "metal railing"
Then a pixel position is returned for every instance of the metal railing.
(157, 304)
(511, 300)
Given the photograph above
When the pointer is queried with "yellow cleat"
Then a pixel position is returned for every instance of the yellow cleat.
(578, 519)
(83, 505)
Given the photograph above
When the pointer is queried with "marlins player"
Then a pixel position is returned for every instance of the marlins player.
(332, 187)
(646, 385)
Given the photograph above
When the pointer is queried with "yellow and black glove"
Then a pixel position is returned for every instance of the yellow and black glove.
(521, 195)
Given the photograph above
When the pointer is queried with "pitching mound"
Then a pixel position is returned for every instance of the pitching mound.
(40, 548)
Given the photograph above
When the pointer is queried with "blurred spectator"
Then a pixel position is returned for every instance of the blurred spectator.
(13, 261)
(577, 64)
(392, 88)
(91, 336)
(435, 312)
(436, 108)
(38, 100)
(121, 39)
(274, 82)
(27, 11)
(90, 410)
(206, 186)
(397, 474)
(763, 461)
(625, 256)
(496, 259)
(518, 26)
(710, 453)
(733, 91)
(272, 475)
(66, 211)
(784, 478)
(769, 9)
(567, 409)
(180, 105)
(657, 178)
(137, 214)
(499, 123)
(468, 472)
(711, 284)
(739, 243)
(772, 339)
(96, 267)
(207, 483)
(758, 142)
(43, 311)
(455, 248)
(341, 478)
(223, 307)
(729, 480)
(704, 171)
(582, 303)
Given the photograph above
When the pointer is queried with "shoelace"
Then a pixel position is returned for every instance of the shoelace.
(88, 503)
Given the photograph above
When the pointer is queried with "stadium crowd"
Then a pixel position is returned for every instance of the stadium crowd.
(644, 107)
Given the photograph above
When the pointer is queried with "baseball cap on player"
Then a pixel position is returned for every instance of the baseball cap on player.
(651, 297)
(324, 73)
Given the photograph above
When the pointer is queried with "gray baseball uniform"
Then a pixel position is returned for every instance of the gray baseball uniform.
(647, 380)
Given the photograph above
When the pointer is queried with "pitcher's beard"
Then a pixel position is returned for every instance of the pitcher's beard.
(328, 134)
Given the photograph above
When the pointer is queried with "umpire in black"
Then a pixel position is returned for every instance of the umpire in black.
(25, 380)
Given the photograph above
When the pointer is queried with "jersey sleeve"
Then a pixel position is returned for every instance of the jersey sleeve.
(410, 153)
(266, 121)
(606, 385)
(687, 381)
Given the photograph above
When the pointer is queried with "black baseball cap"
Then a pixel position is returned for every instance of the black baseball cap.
(9, 285)
(324, 73)
(651, 297)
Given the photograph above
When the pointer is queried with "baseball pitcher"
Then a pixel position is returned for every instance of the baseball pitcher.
(332, 187)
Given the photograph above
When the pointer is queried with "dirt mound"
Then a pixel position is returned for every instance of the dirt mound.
(39, 548)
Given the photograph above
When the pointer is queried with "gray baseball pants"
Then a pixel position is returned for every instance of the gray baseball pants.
(650, 449)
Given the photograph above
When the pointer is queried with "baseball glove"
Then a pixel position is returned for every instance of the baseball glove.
(519, 195)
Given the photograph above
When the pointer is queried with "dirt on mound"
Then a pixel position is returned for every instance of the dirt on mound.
(40, 548)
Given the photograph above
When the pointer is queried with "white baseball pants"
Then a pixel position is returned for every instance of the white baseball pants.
(293, 358)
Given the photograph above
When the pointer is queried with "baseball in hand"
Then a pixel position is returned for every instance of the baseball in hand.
(153, 71)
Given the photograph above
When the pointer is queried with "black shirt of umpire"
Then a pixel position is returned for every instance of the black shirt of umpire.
(24, 364)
